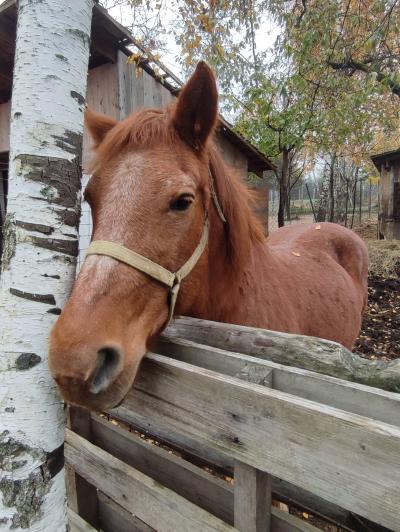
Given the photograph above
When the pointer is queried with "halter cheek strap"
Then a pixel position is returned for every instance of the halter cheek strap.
(152, 269)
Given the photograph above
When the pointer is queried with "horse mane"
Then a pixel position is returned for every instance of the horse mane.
(243, 228)
(149, 127)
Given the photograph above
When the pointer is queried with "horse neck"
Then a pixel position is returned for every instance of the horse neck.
(218, 285)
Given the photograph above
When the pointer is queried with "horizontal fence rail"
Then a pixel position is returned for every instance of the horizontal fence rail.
(276, 427)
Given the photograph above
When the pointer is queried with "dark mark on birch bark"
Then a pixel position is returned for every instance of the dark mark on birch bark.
(61, 179)
(79, 33)
(27, 361)
(78, 97)
(48, 299)
(40, 228)
(26, 496)
(68, 141)
(69, 247)
(50, 276)
(54, 461)
(55, 310)
(9, 241)
(68, 217)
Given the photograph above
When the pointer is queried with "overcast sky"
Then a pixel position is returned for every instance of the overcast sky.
(265, 36)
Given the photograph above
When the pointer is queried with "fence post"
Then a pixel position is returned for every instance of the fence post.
(252, 499)
(83, 495)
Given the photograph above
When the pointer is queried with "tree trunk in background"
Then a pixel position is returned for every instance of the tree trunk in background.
(283, 187)
(332, 189)
(323, 199)
(39, 255)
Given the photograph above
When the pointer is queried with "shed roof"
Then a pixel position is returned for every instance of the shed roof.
(387, 156)
(108, 36)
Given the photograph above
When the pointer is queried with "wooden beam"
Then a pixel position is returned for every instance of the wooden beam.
(356, 398)
(153, 504)
(114, 518)
(307, 352)
(252, 499)
(77, 524)
(192, 482)
(85, 494)
(322, 449)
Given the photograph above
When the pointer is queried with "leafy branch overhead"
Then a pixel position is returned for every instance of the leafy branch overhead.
(329, 81)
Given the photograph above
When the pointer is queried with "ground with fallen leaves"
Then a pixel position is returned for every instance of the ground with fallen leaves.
(380, 333)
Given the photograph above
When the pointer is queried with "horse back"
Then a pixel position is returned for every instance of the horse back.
(330, 263)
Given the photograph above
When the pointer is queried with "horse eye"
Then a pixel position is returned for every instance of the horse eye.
(182, 203)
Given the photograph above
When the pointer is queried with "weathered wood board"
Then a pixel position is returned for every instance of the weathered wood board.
(307, 352)
(152, 503)
(352, 397)
(319, 448)
(5, 110)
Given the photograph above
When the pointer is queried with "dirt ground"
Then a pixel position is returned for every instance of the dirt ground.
(380, 333)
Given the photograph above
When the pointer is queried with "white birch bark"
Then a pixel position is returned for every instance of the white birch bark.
(39, 257)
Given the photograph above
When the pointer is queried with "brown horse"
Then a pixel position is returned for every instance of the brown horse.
(151, 192)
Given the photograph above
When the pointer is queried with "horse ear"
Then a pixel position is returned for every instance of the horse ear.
(197, 108)
(98, 125)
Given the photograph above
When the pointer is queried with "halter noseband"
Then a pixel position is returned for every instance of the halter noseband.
(152, 269)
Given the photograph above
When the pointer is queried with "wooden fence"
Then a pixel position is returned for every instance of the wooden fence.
(324, 444)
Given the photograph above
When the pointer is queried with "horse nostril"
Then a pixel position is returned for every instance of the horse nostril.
(106, 369)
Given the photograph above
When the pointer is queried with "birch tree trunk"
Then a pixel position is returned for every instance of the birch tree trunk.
(39, 255)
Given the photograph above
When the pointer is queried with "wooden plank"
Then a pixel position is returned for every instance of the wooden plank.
(166, 97)
(252, 496)
(207, 491)
(305, 352)
(77, 524)
(5, 110)
(349, 396)
(192, 482)
(124, 86)
(284, 522)
(319, 448)
(85, 493)
(137, 87)
(151, 91)
(102, 95)
(154, 504)
(114, 518)
(210, 493)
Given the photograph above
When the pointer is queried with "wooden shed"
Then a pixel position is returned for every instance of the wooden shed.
(388, 165)
(116, 88)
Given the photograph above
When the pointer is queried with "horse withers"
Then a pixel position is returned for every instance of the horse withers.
(163, 202)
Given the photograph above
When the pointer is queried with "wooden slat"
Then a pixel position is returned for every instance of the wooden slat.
(349, 396)
(252, 496)
(77, 524)
(192, 482)
(124, 86)
(114, 518)
(307, 352)
(284, 522)
(324, 450)
(189, 481)
(5, 110)
(85, 496)
(154, 504)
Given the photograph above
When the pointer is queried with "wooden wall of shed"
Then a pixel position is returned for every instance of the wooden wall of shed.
(389, 200)
(5, 110)
(232, 156)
